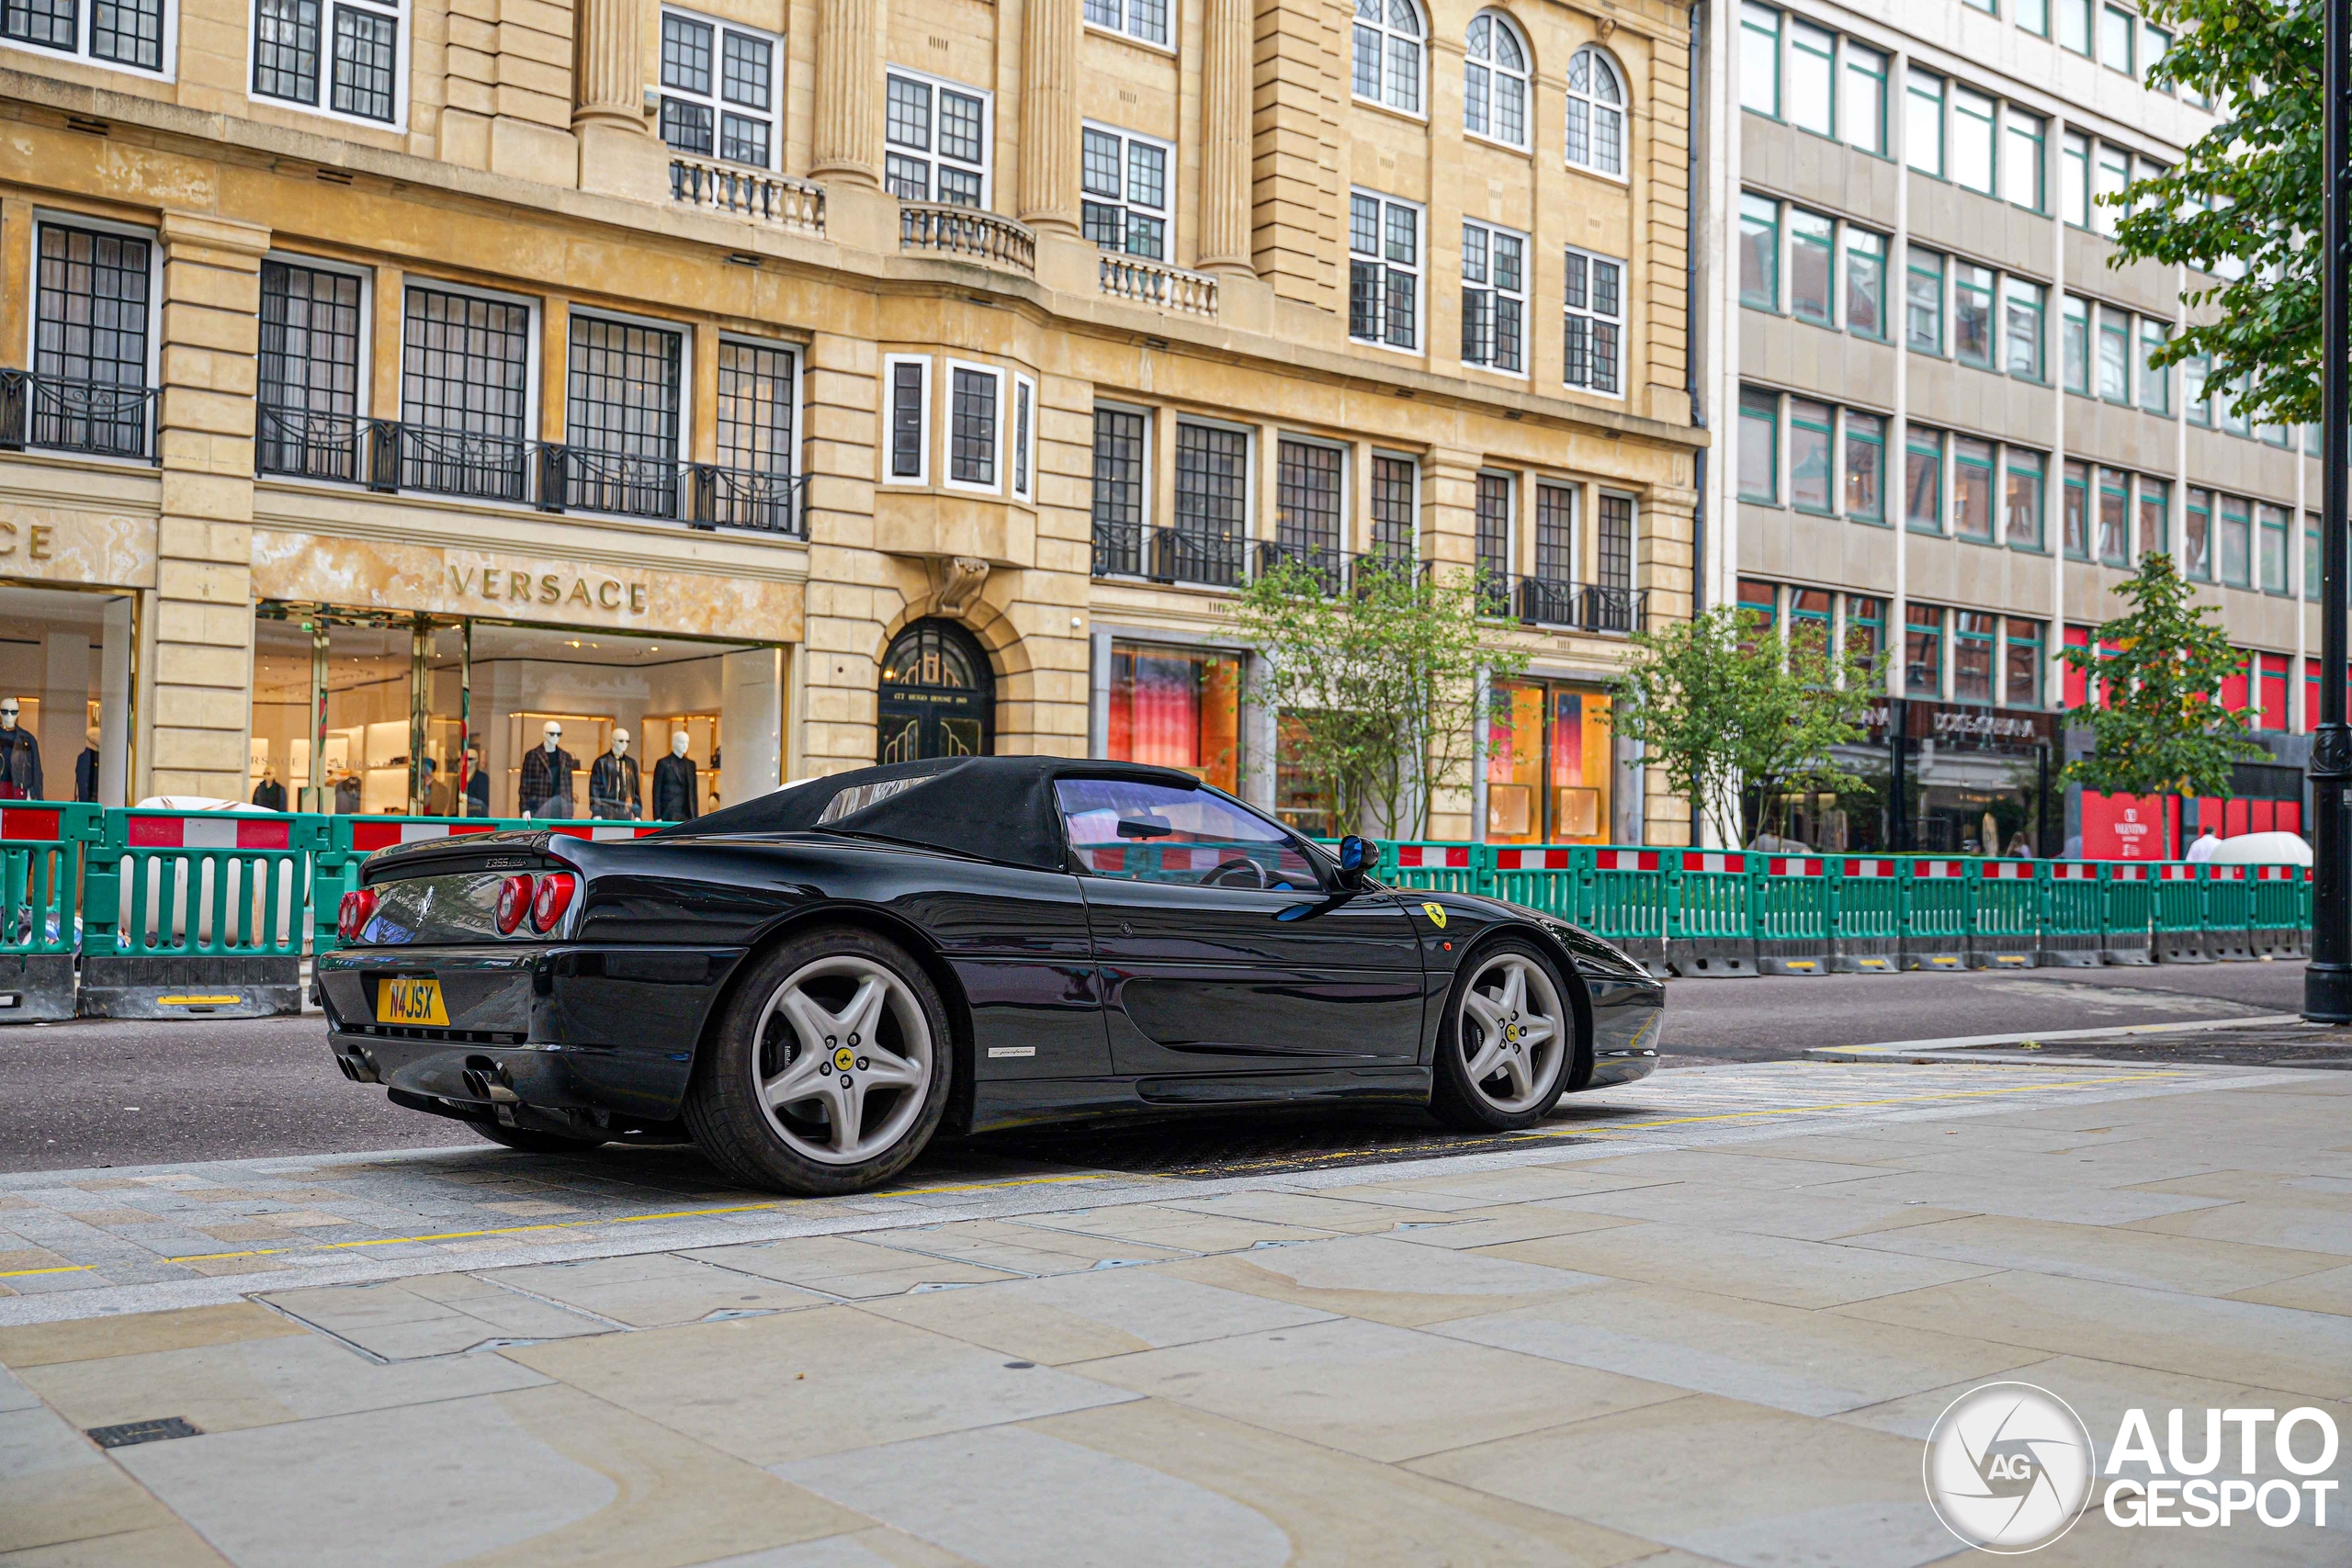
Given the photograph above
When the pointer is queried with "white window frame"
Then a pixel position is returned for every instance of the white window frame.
(1272, 521)
(1021, 478)
(84, 19)
(1363, 27)
(1146, 477)
(361, 403)
(69, 220)
(1418, 270)
(1171, 23)
(1588, 312)
(1526, 264)
(535, 327)
(1513, 482)
(947, 429)
(1633, 535)
(1594, 107)
(922, 475)
(930, 156)
(798, 352)
(1164, 212)
(1525, 76)
(1250, 434)
(403, 17)
(715, 99)
(1363, 547)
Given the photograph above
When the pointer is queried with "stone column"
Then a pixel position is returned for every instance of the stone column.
(1049, 139)
(201, 710)
(610, 86)
(1227, 51)
(847, 138)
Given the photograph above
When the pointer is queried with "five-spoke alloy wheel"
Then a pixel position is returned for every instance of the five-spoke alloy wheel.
(831, 1069)
(1508, 1040)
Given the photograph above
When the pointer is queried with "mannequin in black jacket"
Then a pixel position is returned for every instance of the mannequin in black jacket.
(545, 788)
(613, 783)
(19, 757)
(676, 794)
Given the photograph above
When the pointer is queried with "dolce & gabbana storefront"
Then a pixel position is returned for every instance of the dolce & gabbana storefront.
(430, 680)
(1941, 778)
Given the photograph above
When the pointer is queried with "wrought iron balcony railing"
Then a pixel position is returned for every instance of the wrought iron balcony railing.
(57, 414)
(1581, 606)
(393, 456)
(1171, 555)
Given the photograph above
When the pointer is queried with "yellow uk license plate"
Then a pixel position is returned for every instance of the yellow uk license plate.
(409, 998)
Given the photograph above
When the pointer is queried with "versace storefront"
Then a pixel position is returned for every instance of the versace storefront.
(412, 679)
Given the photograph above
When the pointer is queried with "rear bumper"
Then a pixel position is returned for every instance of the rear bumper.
(563, 1029)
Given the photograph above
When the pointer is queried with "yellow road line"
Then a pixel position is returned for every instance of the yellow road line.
(560, 1225)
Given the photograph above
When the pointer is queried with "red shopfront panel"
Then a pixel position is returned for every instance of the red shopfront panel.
(2287, 818)
(2233, 686)
(2274, 692)
(2077, 684)
(2123, 827)
(2310, 695)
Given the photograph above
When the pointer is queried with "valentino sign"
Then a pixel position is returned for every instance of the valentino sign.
(571, 589)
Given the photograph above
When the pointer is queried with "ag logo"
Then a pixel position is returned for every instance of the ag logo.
(2009, 1467)
(1436, 912)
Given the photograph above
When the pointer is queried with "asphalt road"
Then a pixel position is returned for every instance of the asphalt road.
(101, 1093)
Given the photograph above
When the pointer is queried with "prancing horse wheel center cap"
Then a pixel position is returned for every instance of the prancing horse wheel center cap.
(844, 1059)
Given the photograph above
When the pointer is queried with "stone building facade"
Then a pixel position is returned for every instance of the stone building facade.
(796, 382)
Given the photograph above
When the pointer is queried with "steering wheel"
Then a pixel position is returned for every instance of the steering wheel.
(1225, 875)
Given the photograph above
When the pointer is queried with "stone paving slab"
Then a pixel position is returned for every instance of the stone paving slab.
(1704, 1321)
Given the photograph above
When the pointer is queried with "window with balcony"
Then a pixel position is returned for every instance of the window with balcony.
(1596, 135)
(90, 341)
(1555, 534)
(1123, 179)
(719, 94)
(136, 34)
(1396, 495)
(1865, 467)
(1212, 504)
(1616, 540)
(1388, 53)
(465, 393)
(1308, 501)
(751, 485)
(936, 141)
(1143, 19)
(1494, 298)
(1494, 81)
(1491, 540)
(1593, 296)
(624, 386)
(1119, 440)
(1384, 270)
(307, 407)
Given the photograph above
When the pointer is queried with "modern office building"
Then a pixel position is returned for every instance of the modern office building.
(1950, 445)
(390, 382)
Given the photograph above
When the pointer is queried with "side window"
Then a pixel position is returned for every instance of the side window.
(1146, 832)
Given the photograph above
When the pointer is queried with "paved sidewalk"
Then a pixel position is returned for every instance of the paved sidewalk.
(1706, 1319)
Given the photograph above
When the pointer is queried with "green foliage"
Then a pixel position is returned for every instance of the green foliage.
(1726, 707)
(2248, 191)
(1377, 685)
(2164, 730)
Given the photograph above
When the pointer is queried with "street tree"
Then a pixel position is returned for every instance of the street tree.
(1376, 680)
(2153, 701)
(1739, 718)
(2243, 207)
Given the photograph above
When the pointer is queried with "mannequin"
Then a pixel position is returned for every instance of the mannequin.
(675, 795)
(19, 757)
(614, 791)
(477, 783)
(269, 795)
(86, 767)
(545, 788)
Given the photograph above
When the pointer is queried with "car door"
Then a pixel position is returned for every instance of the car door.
(1220, 947)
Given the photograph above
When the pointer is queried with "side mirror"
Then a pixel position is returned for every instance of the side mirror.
(1358, 856)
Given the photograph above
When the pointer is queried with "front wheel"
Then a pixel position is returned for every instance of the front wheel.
(829, 1072)
(1508, 1040)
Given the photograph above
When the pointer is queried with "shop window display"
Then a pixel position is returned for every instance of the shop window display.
(1177, 707)
(1548, 756)
(418, 715)
(66, 671)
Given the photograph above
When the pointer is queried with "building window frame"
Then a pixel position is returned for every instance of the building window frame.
(906, 418)
(1862, 100)
(717, 97)
(2025, 139)
(1759, 431)
(1494, 330)
(1816, 452)
(2024, 480)
(1599, 101)
(952, 385)
(1600, 331)
(1021, 433)
(1380, 266)
(1497, 59)
(1923, 113)
(1923, 299)
(1871, 476)
(87, 42)
(1860, 260)
(927, 153)
(1923, 458)
(285, 421)
(1100, 209)
(1132, 21)
(1394, 30)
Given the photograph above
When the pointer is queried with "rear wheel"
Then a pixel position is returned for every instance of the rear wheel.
(534, 1143)
(830, 1070)
(1508, 1037)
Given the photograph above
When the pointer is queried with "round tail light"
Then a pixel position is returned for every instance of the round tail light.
(554, 898)
(358, 906)
(514, 903)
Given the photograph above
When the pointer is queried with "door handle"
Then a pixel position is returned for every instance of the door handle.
(1127, 930)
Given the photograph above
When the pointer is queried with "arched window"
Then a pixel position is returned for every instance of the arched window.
(1388, 53)
(1494, 86)
(1596, 113)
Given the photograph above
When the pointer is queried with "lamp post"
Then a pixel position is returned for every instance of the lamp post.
(2327, 983)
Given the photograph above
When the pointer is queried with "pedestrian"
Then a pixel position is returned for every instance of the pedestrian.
(2019, 849)
(2202, 850)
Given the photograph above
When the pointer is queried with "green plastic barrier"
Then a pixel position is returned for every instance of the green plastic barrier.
(1431, 867)
(1622, 898)
(1544, 876)
(2276, 923)
(2071, 914)
(1869, 893)
(1935, 912)
(2228, 912)
(2127, 912)
(42, 844)
(1794, 913)
(1710, 914)
(2176, 922)
(2004, 913)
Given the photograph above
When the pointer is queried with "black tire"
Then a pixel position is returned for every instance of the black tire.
(526, 1140)
(733, 1126)
(1454, 1098)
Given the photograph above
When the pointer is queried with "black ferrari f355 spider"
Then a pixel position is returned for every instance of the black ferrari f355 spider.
(812, 984)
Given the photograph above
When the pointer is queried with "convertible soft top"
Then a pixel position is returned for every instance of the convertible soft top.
(997, 808)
